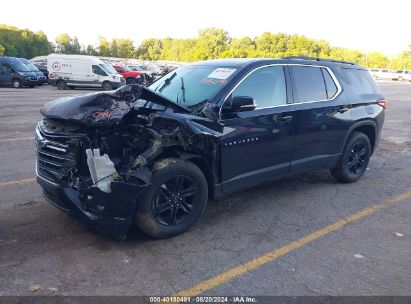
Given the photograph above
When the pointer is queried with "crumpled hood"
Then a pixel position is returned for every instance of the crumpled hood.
(103, 108)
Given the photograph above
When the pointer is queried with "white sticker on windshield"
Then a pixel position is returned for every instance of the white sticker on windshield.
(221, 73)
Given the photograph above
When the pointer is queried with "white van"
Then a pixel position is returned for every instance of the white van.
(70, 71)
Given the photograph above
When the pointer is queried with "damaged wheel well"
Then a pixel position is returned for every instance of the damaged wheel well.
(198, 161)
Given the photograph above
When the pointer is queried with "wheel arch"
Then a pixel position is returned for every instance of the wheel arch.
(369, 128)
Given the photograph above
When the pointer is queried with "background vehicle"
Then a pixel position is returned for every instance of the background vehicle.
(40, 76)
(184, 139)
(383, 74)
(14, 72)
(81, 71)
(405, 75)
(40, 62)
(129, 75)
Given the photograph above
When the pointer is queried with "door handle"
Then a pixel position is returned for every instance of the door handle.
(282, 119)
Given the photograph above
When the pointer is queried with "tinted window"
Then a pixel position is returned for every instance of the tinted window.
(330, 84)
(265, 85)
(7, 69)
(361, 81)
(97, 70)
(309, 84)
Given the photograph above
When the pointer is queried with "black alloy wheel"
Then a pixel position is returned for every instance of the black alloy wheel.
(357, 159)
(174, 200)
(354, 159)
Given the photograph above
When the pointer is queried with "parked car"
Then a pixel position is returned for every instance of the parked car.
(14, 73)
(129, 75)
(383, 74)
(40, 76)
(71, 71)
(154, 156)
(41, 63)
(145, 78)
(404, 75)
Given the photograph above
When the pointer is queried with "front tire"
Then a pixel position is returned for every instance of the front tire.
(354, 160)
(107, 86)
(178, 198)
(16, 83)
(61, 85)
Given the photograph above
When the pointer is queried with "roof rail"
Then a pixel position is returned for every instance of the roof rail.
(319, 59)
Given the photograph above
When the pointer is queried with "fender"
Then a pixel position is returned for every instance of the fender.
(360, 124)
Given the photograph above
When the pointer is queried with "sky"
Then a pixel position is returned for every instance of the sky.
(356, 24)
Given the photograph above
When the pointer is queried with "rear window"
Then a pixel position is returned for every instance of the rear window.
(361, 81)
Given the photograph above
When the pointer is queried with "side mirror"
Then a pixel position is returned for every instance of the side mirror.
(240, 104)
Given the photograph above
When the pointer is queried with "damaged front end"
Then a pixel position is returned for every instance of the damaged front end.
(96, 152)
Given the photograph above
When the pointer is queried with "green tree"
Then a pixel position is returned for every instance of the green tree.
(125, 48)
(67, 45)
(1, 50)
(23, 43)
(211, 43)
(150, 49)
(104, 47)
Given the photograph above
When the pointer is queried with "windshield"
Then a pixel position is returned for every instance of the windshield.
(29, 65)
(19, 66)
(135, 68)
(190, 85)
(107, 68)
(125, 68)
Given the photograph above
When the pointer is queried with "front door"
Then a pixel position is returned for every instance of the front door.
(257, 144)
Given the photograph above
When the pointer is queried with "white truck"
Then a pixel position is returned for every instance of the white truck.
(71, 71)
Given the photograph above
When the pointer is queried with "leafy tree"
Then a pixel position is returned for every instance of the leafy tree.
(104, 47)
(211, 43)
(23, 43)
(1, 50)
(125, 48)
(67, 45)
(150, 49)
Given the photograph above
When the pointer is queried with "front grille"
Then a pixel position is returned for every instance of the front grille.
(57, 154)
(33, 78)
(42, 77)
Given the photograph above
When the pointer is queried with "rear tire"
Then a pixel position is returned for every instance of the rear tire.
(61, 85)
(178, 198)
(107, 86)
(354, 160)
(16, 83)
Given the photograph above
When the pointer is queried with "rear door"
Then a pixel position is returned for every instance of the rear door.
(257, 144)
(318, 109)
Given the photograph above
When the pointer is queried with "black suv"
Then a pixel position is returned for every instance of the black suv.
(154, 156)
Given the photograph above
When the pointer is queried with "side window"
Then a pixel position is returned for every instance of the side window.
(329, 84)
(7, 69)
(97, 70)
(118, 69)
(266, 85)
(309, 84)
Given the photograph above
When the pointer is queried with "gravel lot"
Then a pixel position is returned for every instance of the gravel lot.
(370, 256)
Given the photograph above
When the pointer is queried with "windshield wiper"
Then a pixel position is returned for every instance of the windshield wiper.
(165, 83)
(183, 91)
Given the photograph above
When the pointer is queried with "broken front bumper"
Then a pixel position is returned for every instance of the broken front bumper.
(110, 213)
